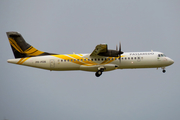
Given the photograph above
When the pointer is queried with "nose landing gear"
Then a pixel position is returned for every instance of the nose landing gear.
(163, 70)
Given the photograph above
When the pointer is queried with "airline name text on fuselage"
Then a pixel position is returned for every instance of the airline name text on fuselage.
(149, 53)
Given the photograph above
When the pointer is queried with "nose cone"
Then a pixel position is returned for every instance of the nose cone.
(170, 61)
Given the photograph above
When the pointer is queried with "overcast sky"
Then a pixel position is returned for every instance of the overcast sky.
(67, 26)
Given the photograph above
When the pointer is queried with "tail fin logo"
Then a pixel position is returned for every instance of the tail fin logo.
(31, 51)
(21, 48)
(15, 45)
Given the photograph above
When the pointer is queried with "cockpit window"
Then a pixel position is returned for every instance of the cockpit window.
(161, 55)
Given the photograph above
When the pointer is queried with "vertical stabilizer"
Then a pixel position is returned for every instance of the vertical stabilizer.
(21, 48)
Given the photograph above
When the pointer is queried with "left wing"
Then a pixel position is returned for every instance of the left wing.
(101, 48)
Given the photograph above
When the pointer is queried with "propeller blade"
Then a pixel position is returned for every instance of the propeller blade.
(120, 52)
(119, 47)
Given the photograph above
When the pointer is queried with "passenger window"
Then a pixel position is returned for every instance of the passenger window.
(138, 57)
(74, 59)
(61, 60)
(121, 58)
(102, 59)
(159, 55)
(68, 60)
(108, 58)
(71, 59)
(125, 58)
(98, 59)
(84, 59)
(64, 60)
(128, 58)
(112, 59)
(91, 59)
(81, 59)
(95, 59)
(131, 58)
(105, 59)
(88, 59)
(134, 57)
(77, 59)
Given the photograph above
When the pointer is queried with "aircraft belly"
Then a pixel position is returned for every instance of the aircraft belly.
(66, 66)
(140, 64)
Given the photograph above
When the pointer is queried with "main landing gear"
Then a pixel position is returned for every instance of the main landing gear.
(99, 72)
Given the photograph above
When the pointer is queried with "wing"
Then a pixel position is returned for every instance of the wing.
(101, 48)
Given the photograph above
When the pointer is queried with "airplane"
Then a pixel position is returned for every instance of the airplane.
(100, 60)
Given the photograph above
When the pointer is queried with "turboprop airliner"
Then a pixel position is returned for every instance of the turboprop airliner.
(100, 60)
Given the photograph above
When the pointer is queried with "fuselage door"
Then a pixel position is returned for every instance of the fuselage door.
(52, 63)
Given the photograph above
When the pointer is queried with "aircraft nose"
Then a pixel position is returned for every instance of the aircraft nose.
(170, 61)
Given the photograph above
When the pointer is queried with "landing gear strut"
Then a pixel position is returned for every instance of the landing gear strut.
(99, 72)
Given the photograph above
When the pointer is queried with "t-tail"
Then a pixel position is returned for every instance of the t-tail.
(21, 48)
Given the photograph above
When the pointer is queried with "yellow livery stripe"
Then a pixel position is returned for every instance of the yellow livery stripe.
(15, 45)
(20, 60)
(77, 57)
(33, 51)
(106, 60)
(28, 49)
(66, 58)
(24, 60)
(111, 60)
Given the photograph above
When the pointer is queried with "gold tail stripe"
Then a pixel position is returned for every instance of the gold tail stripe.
(28, 49)
(15, 45)
(36, 53)
(24, 60)
(33, 51)
(20, 60)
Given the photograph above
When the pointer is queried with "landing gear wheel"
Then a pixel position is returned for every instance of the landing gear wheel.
(164, 71)
(98, 73)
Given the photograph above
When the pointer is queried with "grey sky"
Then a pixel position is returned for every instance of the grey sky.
(67, 26)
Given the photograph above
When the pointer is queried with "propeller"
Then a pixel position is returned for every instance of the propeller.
(119, 52)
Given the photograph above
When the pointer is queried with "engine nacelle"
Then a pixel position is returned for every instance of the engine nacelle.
(110, 53)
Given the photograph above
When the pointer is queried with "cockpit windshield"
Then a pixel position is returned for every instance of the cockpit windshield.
(161, 55)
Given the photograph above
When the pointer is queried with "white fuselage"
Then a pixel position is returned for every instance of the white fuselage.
(63, 62)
